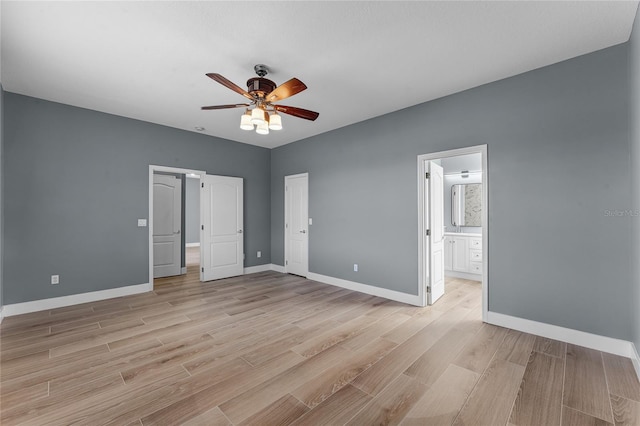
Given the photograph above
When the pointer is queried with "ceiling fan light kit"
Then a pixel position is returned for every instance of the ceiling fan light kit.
(262, 112)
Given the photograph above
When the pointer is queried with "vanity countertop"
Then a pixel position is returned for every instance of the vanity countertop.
(462, 234)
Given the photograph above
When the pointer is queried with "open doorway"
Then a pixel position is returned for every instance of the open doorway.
(186, 218)
(192, 221)
(453, 222)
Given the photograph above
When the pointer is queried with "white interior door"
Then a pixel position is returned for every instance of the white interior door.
(296, 227)
(435, 225)
(167, 221)
(222, 242)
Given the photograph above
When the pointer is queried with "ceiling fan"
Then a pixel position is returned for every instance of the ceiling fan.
(262, 111)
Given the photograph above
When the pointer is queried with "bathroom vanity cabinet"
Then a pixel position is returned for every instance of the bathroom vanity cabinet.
(463, 255)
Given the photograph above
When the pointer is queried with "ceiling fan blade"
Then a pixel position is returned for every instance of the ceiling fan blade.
(229, 84)
(297, 112)
(224, 106)
(285, 90)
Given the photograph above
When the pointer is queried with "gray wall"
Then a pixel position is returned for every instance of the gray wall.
(634, 121)
(192, 211)
(558, 157)
(83, 183)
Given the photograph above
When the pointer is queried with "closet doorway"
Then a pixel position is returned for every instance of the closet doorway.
(180, 222)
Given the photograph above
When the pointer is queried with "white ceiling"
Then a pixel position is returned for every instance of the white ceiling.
(147, 60)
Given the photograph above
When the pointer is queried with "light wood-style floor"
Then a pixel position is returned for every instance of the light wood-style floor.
(270, 348)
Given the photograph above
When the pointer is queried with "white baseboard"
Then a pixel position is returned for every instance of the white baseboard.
(257, 268)
(1, 314)
(593, 341)
(74, 299)
(192, 245)
(463, 275)
(277, 268)
(183, 270)
(367, 289)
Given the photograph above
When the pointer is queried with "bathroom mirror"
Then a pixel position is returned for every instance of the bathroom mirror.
(466, 204)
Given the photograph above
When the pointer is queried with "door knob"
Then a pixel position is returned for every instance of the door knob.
(239, 231)
(177, 232)
(303, 231)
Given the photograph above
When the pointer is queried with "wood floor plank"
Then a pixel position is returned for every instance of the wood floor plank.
(516, 347)
(550, 347)
(444, 399)
(337, 409)
(281, 412)
(249, 402)
(30, 393)
(430, 365)
(621, 376)
(585, 383)
(377, 329)
(410, 327)
(322, 386)
(213, 417)
(185, 351)
(29, 410)
(571, 417)
(491, 400)
(52, 369)
(188, 404)
(378, 376)
(539, 400)
(478, 353)
(332, 337)
(392, 404)
(101, 364)
(625, 411)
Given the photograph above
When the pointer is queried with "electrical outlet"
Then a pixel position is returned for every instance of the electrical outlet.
(142, 223)
(55, 279)
(259, 254)
(355, 267)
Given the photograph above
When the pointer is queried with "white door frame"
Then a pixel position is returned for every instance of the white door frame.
(154, 168)
(422, 159)
(286, 218)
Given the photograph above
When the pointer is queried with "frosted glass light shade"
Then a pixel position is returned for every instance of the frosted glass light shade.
(275, 122)
(258, 116)
(245, 122)
(263, 128)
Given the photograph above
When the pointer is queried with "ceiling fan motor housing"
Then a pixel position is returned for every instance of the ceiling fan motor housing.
(260, 87)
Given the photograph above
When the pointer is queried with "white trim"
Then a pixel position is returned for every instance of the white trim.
(156, 168)
(74, 299)
(478, 149)
(464, 275)
(192, 245)
(277, 268)
(257, 268)
(367, 289)
(1, 314)
(286, 218)
(575, 337)
(183, 270)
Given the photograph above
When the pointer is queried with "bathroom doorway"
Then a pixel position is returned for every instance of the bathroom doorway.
(453, 223)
